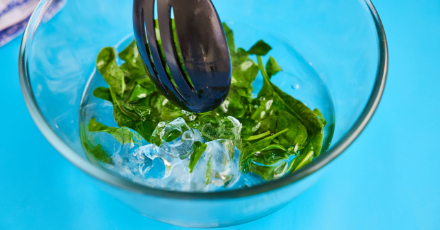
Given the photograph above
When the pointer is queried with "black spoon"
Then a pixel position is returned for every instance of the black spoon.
(203, 47)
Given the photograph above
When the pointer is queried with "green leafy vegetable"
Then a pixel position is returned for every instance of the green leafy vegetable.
(103, 93)
(315, 144)
(245, 74)
(133, 66)
(272, 67)
(283, 101)
(98, 153)
(272, 147)
(240, 57)
(297, 133)
(113, 75)
(229, 37)
(301, 161)
(274, 126)
(249, 126)
(321, 117)
(286, 102)
(259, 136)
(199, 149)
(270, 164)
(139, 92)
(259, 145)
(269, 123)
(208, 171)
(261, 48)
(123, 135)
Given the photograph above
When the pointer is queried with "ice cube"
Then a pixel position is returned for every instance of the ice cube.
(182, 146)
(217, 167)
(227, 128)
(176, 137)
(198, 136)
(129, 163)
(179, 178)
(151, 151)
(169, 131)
(146, 164)
(164, 163)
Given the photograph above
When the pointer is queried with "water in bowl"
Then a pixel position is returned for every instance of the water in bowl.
(218, 169)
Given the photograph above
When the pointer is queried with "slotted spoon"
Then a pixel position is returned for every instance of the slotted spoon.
(201, 81)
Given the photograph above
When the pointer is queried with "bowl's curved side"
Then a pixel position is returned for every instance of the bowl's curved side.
(210, 213)
(370, 108)
(122, 183)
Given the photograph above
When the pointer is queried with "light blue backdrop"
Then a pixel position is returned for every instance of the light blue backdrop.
(388, 179)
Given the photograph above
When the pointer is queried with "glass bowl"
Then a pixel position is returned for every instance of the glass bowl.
(342, 42)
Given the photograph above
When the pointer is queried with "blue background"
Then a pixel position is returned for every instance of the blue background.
(388, 179)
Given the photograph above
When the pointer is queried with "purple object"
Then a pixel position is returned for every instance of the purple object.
(14, 15)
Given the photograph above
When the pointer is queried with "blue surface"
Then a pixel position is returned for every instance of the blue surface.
(388, 179)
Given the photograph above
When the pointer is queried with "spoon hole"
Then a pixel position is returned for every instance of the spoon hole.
(162, 53)
(150, 57)
(147, 45)
(163, 58)
(178, 52)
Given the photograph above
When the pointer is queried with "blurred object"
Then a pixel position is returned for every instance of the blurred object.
(14, 15)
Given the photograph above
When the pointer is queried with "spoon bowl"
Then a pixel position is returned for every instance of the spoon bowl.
(200, 80)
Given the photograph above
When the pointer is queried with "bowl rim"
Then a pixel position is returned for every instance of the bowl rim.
(125, 184)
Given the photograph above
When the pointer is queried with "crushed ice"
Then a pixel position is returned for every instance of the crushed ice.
(164, 163)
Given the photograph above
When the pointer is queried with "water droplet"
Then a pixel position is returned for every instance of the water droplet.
(295, 86)
(192, 117)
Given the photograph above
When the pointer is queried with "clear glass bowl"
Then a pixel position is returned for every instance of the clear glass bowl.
(342, 41)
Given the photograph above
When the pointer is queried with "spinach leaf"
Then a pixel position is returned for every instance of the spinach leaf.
(147, 83)
(173, 135)
(297, 133)
(321, 117)
(113, 75)
(286, 102)
(272, 67)
(315, 144)
(138, 105)
(273, 147)
(122, 135)
(208, 171)
(133, 66)
(145, 129)
(122, 119)
(269, 164)
(259, 136)
(245, 74)
(301, 161)
(283, 101)
(97, 152)
(235, 104)
(103, 93)
(139, 92)
(249, 127)
(230, 38)
(241, 56)
(261, 48)
(199, 149)
(215, 128)
(259, 145)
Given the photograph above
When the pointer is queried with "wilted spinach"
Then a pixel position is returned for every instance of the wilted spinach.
(275, 126)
